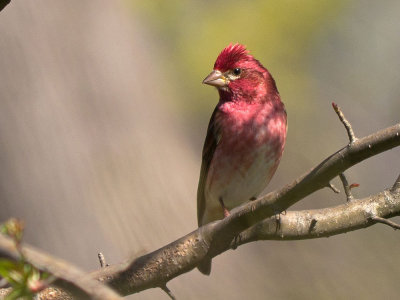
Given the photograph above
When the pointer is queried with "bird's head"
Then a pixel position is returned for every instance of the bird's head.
(237, 74)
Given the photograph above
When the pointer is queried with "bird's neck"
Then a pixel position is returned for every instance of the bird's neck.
(257, 94)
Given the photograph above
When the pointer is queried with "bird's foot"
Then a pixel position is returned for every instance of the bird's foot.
(235, 242)
(226, 211)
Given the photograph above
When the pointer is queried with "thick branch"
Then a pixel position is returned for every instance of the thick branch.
(160, 266)
(157, 268)
(317, 223)
(319, 177)
(69, 278)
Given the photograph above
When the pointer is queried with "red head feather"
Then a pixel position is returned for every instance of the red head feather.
(230, 56)
(253, 73)
(237, 56)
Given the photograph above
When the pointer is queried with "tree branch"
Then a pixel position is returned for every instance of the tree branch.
(347, 125)
(168, 292)
(4, 3)
(102, 260)
(333, 188)
(346, 187)
(386, 222)
(69, 278)
(317, 223)
(157, 268)
(396, 185)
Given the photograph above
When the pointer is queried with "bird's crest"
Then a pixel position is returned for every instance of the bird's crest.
(230, 56)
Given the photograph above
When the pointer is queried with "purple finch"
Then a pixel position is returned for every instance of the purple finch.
(245, 137)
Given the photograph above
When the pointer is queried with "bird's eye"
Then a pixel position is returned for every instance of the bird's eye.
(237, 71)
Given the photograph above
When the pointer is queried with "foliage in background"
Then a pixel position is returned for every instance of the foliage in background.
(278, 33)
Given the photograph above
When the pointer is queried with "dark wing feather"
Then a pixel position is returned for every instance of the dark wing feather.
(212, 139)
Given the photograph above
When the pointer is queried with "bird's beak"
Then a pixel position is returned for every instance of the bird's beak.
(216, 78)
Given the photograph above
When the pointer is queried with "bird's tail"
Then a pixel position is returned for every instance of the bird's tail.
(205, 266)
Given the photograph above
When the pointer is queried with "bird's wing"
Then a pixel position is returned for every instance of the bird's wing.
(212, 139)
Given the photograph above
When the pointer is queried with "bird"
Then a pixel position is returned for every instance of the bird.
(245, 137)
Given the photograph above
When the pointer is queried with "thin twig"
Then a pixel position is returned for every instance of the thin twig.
(168, 292)
(346, 123)
(324, 222)
(102, 260)
(333, 188)
(386, 221)
(396, 186)
(346, 187)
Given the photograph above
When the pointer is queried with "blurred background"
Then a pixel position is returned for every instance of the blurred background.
(103, 117)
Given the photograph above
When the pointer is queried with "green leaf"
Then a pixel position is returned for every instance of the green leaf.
(7, 267)
(15, 294)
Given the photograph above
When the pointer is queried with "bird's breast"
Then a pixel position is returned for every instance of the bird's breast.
(247, 127)
(248, 153)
